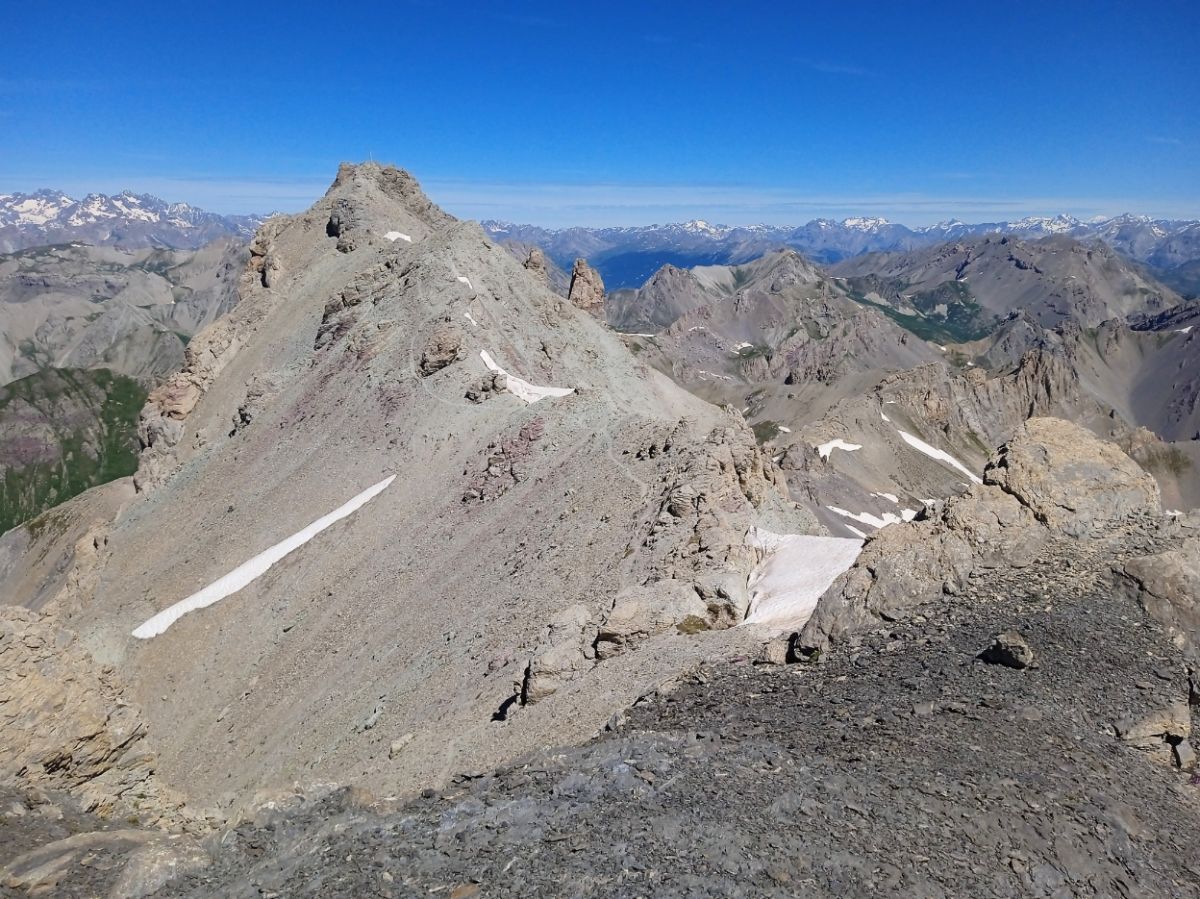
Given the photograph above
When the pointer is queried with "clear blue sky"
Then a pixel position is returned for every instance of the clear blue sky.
(617, 112)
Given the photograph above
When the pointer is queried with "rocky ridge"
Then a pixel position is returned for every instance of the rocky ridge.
(376, 335)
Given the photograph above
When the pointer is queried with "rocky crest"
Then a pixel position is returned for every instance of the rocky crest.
(1053, 477)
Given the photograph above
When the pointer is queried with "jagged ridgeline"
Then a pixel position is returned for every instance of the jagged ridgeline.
(64, 431)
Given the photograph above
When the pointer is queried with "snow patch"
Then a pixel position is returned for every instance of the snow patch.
(795, 570)
(247, 572)
(875, 521)
(941, 455)
(1183, 330)
(530, 393)
(784, 430)
(885, 418)
(464, 280)
(467, 316)
(890, 497)
(837, 443)
(394, 236)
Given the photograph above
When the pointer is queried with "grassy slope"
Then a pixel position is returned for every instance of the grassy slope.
(99, 445)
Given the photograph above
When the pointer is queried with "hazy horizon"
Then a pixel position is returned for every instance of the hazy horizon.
(621, 113)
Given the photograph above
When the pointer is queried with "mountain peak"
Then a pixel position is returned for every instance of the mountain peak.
(124, 219)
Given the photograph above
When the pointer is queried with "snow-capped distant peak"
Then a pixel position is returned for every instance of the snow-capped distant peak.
(864, 224)
(1059, 224)
(699, 226)
(126, 219)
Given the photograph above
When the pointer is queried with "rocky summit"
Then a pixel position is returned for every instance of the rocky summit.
(380, 557)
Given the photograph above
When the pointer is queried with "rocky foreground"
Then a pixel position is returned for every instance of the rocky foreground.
(1028, 736)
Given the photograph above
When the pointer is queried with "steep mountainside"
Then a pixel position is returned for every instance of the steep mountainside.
(131, 311)
(869, 421)
(626, 257)
(62, 432)
(967, 288)
(513, 527)
(777, 319)
(124, 220)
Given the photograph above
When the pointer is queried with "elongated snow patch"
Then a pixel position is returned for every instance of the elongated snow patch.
(837, 443)
(247, 572)
(394, 236)
(796, 569)
(530, 393)
(934, 453)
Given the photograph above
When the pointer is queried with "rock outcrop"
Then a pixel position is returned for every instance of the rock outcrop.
(1070, 480)
(535, 264)
(1167, 584)
(68, 726)
(1053, 477)
(587, 288)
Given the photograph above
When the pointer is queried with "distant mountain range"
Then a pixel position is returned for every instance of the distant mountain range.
(626, 257)
(125, 219)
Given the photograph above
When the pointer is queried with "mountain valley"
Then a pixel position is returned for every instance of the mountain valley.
(424, 562)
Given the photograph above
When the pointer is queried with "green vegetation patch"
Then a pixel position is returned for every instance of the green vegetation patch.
(765, 431)
(92, 419)
(961, 323)
(1165, 458)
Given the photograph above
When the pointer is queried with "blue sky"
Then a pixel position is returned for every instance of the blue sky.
(617, 113)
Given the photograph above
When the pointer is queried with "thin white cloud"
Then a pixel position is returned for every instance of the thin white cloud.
(561, 204)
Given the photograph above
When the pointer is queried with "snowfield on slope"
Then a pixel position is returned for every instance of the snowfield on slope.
(247, 572)
(837, 443)
(530, 393)
(794, 572)
(941, 455)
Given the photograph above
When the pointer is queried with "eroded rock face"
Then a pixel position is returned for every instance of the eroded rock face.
(641, 612)
(1052, 477)
(66, 724)
(444, 346)
(535, 264)
(1071, 480)
(587, 288)
(1167, 584)
(697, 560)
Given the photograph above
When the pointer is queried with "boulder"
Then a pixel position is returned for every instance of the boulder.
(564, 653)
(1010, 650)
(1167, 584)
(444, 346)
(1074, 482)
(640, 612)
